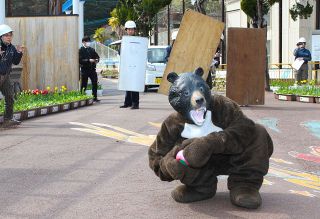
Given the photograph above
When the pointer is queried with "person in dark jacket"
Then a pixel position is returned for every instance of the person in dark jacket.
(9, 55)
(303, 54)
(132, 97)
(88, 58)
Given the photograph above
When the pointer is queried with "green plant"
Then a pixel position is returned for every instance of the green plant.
(286, 90)
(219, 84)
(143, 12)
(27, 100)
(89, 87)
(110, 73)
(281, 82)
(301, 11)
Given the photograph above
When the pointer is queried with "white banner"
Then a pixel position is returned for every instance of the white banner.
(133, 63)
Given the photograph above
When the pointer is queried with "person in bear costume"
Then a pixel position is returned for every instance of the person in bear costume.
(208, 136)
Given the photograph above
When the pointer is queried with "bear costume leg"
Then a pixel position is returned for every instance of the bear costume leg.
(248, 169)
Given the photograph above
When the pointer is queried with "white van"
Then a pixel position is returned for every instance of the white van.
(155, 66)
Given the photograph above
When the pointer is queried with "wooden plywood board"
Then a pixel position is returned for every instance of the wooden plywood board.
(246, 59)
(51, 56)
(195, 46)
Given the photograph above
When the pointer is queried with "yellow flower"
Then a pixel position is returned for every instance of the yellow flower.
(48, 88)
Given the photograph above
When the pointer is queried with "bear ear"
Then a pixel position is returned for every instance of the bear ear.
(172, 77)
(199, 71)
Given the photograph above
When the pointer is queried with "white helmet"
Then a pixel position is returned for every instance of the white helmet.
(174, 35)
(5, 29)
(302, 40)
(130, 24)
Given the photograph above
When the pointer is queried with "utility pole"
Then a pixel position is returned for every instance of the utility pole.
(75, 6)
(183, 6)
(169, 25)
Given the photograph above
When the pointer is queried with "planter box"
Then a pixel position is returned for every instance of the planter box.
(317, 99)
(64, 107)
(276, 96)
(54, 109)
(287, 97)
(19, 115)
(43, 111)
(89, 101)
(83, 102)
(30, 113)
(1, 118)
(306, 99)
(74, 105)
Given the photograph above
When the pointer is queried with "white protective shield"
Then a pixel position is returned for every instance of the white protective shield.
(133, 63)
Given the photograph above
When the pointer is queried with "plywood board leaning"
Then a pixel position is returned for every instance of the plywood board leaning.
(196, 43)
(246, 60)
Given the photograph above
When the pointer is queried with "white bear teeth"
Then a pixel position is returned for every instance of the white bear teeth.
(198, 115)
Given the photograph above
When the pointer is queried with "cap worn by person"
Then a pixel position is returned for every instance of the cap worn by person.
(302, 40)
(130, 24)
(4, 29)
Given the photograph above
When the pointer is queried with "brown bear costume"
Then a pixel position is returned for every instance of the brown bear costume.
(241, 150)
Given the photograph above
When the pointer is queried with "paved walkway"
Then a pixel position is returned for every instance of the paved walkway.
(92, 163)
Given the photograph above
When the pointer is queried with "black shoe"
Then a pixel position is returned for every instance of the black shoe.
(10, 122)
(135, 107)
(96, 100)
(125, 106)
(245, 197)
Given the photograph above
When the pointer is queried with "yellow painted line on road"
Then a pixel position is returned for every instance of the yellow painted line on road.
(267, 182)
(126, 131)
(145, 140)
(303, 193)
(157, 125)
(299, 178)
(100, 131)
(281, 161)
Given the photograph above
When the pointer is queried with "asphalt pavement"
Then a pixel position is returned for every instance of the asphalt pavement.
(92, 163)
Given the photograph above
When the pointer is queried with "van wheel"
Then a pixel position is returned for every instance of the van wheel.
(146, 88)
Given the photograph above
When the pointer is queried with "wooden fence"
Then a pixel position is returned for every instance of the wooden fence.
(51, 56)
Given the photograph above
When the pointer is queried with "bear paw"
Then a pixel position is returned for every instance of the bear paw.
(186, 194)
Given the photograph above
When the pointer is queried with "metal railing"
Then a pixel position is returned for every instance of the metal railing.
(281, 71)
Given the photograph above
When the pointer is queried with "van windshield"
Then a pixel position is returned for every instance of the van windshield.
(157, 55)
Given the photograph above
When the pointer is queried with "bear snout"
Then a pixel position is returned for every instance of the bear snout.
(200, 101)
(197, 100)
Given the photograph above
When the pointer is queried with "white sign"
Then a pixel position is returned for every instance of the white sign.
(315, 47)
(297, 64)
(133, 63)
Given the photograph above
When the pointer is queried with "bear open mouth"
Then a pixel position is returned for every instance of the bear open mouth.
(198, 115)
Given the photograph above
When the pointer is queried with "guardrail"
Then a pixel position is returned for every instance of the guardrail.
(280, 71)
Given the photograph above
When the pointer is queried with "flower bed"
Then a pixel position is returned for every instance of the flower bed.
(34, 103)
(307, 92)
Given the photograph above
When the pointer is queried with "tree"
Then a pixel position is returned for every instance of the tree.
(303, 10)
(143, 12)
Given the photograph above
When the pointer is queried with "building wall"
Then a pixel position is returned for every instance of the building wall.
(291, 30)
